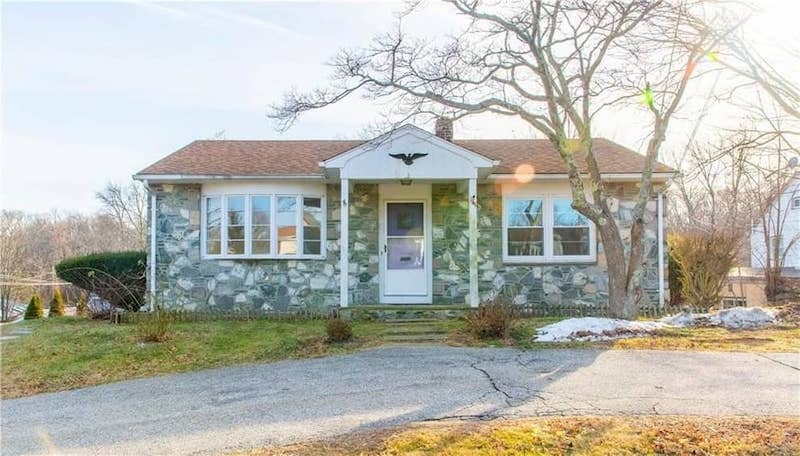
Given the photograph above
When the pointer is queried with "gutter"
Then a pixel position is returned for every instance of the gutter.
(166, 178)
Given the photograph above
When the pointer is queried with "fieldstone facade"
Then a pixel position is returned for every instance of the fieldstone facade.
(364, 276)
(554, 285)
(188, 282)
(185, 281)
(449, 213)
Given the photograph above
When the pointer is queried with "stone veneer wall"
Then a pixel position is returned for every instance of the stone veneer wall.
(573, 284)
(187, 282)
(450, 220)
(364, 275)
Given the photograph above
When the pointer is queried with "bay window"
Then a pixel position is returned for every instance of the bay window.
(545, 229)
(263, 226)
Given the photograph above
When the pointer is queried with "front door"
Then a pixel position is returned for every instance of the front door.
(405, 259)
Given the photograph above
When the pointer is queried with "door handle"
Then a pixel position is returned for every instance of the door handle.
(385, 249)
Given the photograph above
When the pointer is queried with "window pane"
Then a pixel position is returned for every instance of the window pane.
(404, 219)
(235, 247)
(565, 215)
(287, 225)
(213, 226)
(235, 210)
(235, 225)
(311, 247)
(261, 209)
(260, 247)
(571, 241)
(524, 212)
(525, 241)
(312, 219)
(260, 220)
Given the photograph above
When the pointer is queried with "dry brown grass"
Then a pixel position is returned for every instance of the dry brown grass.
(569, 435)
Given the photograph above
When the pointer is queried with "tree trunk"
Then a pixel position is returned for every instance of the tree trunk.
(623, 294)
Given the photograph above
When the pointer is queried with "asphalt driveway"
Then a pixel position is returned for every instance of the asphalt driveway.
(242, 407)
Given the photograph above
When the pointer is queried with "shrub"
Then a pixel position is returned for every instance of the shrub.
(674, 278)
(338, 330)
(154, 327)
(57, 306)
(490, 320)
(82, 305)
(116, 277)
(35, 309)
(704, 259)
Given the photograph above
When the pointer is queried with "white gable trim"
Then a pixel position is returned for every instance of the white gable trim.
(346, 162)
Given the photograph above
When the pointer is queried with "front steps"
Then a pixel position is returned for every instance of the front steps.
(414, 331)
(405, 313)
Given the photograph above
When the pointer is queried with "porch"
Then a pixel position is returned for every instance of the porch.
(409, 220)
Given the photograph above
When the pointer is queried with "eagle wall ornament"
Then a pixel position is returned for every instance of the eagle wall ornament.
(408, 159)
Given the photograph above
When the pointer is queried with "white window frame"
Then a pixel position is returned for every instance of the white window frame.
(548, 223)
(796, 202)
(273, 227)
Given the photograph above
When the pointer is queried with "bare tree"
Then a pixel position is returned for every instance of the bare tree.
(773, 236)
(128, 207)
(12, 258)
(556, 65)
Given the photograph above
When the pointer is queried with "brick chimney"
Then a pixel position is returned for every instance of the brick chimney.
(444, 128)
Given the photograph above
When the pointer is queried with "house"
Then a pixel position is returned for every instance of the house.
(781, 221)
(409, 217)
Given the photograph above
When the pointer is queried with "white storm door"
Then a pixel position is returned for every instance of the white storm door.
(405, 263)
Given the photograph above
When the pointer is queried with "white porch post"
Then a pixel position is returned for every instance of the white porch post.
(344, 243)
(473, 242)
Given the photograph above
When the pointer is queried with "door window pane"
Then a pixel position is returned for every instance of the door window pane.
(404, 219)
(312, 225)
(525, 234)
(260, 219)
(213, 226)
(287, 225)
(405, 253)
(570, 229)
(235, 225)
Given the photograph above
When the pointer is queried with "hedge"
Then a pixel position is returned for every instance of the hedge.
(117, 277)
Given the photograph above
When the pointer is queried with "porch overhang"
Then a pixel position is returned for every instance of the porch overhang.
(383, 159)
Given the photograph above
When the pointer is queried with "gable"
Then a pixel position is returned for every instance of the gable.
(437, 158)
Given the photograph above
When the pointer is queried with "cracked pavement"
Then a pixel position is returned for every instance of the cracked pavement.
(212, 411)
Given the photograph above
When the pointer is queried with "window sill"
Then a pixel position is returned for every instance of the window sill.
(550, 261)
(263, 257)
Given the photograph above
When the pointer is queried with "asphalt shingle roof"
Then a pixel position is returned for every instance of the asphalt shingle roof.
(301, 158)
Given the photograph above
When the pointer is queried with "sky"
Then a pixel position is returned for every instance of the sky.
(94, 92)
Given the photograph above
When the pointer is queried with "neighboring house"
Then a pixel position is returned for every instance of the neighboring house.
(410, 217)
(782, 229)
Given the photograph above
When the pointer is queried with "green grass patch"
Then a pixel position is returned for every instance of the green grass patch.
(69, 352)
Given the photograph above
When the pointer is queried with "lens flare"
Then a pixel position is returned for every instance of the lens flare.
(524, 173)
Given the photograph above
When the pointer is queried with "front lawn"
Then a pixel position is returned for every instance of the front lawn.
(65, 353)
(570, 435)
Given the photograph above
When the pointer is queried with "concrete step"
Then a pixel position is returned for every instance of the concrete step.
(399, 321)
(415, 332)
(411, 338)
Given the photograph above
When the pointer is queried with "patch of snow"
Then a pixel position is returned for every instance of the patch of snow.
(593, 328)
(680, 320)
(743, 318)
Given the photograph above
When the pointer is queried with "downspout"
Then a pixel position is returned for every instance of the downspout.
(152, 248)
(660, 249)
